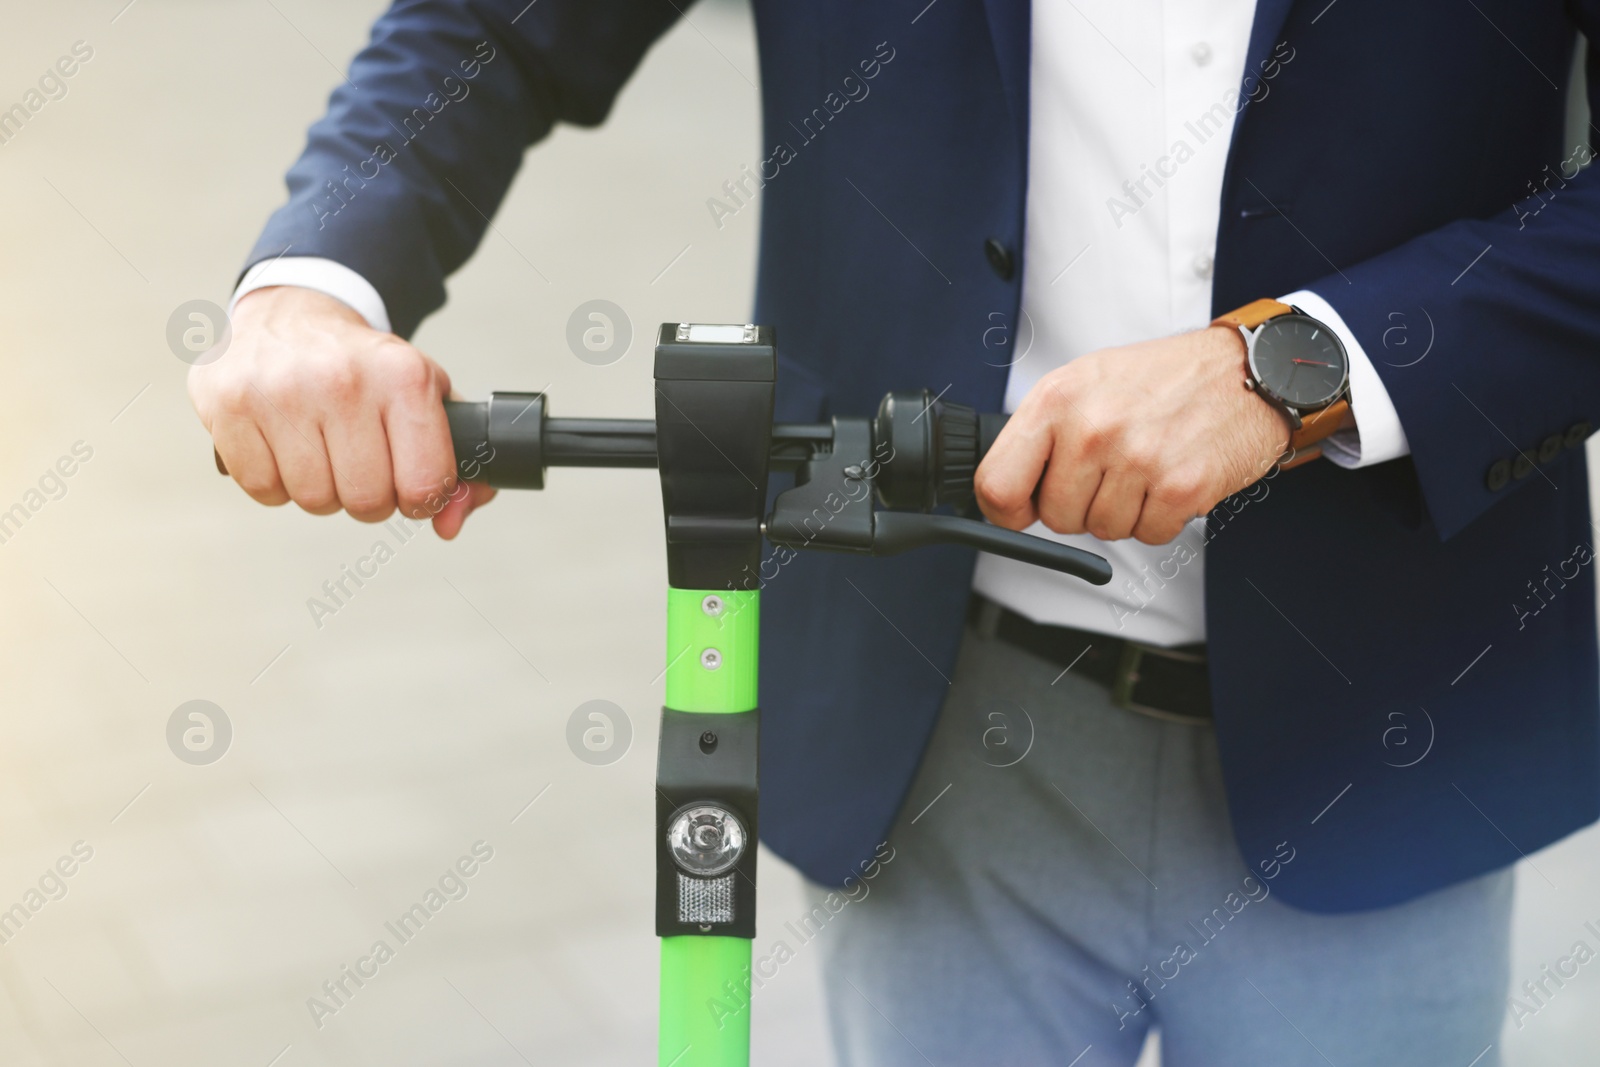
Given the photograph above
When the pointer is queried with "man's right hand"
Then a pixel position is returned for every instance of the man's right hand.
(311, 404)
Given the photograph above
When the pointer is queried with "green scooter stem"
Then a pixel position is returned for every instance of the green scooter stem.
(705, 1002)
(705, 981)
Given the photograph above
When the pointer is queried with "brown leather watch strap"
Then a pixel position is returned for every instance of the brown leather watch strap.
(1314, 426)
(1253, 314)
(1319, 424)
(1305, 444)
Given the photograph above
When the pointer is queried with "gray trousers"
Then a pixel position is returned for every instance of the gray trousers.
(1064, 877)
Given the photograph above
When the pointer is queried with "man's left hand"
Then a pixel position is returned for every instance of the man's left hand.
(1133, 441)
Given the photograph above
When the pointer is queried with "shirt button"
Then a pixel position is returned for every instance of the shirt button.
(1201, 53)
(1202, 266)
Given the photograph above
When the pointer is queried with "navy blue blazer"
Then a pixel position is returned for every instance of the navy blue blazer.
(1403, 657)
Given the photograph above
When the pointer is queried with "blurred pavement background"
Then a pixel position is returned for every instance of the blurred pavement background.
(429, 714)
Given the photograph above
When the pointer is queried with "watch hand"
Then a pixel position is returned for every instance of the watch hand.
(1311, 363)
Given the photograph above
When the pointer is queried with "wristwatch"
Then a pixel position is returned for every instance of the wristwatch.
(1298, 365)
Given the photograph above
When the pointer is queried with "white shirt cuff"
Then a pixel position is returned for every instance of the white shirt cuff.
(321, 275)
(1378, 436)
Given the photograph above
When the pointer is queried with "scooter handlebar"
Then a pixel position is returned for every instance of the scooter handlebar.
(509, 440)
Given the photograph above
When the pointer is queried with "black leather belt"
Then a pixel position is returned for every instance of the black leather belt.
(1168, 683)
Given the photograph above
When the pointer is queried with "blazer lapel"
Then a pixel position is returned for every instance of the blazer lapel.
(1009, 26)
(1270, 17)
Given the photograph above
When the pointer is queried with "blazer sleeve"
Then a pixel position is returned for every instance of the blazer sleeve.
(1486, 334)
(399, 179)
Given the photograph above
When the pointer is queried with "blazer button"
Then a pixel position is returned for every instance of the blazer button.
(1000, 259)
(1549, 448)
(1522, 466)
(1578, 433)
(1499, 474)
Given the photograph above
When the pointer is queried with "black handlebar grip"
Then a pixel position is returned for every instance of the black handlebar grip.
(989, 427)
(929, 449)
(499, 441)
(469, 433)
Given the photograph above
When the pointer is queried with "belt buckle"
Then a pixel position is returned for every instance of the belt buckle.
(1127, 676)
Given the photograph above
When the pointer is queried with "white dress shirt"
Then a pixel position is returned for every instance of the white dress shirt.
(1121, 231)
(1117, 87)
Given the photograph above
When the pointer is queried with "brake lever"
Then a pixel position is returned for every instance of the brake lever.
(897, 531)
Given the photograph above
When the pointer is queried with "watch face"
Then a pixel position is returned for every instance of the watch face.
(1299, 360)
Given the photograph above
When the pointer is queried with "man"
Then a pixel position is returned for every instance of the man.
(1262, 792)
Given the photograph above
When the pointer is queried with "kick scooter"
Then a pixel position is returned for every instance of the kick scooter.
(715, 443)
